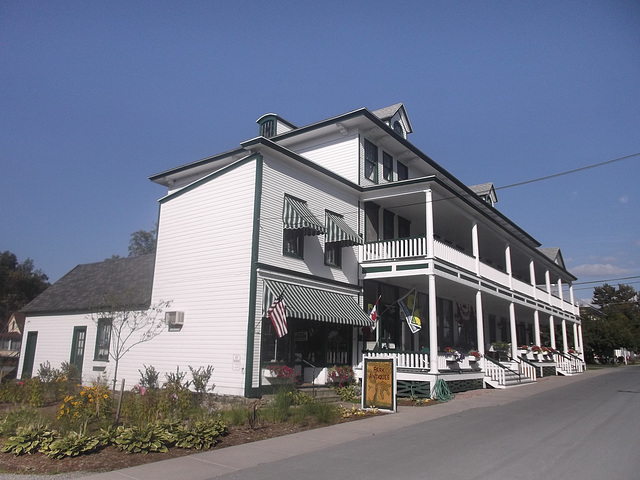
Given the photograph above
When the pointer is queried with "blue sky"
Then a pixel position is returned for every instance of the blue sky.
(97, 96)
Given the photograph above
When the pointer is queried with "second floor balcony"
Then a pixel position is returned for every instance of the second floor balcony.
(406, 250)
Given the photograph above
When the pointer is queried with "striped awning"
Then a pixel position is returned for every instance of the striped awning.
(297, 216)
(315, 304)
(339, 232)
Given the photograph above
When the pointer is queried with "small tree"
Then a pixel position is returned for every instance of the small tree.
(122, 325)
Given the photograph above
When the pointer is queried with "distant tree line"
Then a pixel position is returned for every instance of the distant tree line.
(614, 322)
(19, 284)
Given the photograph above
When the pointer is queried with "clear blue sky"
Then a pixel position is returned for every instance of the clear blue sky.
(97, 96)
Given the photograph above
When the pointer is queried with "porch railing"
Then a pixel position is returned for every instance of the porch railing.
(454, 256)
(417, 360)
(393, 249)
(569, 363)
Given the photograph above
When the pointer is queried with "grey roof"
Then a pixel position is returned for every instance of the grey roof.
(85, 288)
(554, 254)
(482, 189)
(387, 112)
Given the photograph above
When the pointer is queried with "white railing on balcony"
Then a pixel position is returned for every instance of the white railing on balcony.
(454, 256)
(415, 360)
(494, 275)
(394, 249)
(522, 287)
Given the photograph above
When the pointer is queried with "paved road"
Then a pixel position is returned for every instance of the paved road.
(583, 427)
(586, 430)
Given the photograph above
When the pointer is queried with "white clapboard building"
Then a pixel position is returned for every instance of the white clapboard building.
(334, 218)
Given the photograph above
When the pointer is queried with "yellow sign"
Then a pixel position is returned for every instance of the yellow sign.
(379, 384)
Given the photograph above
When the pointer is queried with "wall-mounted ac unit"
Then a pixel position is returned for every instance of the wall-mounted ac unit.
(174, 319)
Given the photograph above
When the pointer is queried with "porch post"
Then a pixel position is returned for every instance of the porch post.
(532, 274)
(479, 322)
(581, 344)
(512, 322)
(575, 337)
(429, 224)
(560, 292)
(573, 300)
(433, 326)
(552, 332)
(547, 279)
(565, 343)
(536, 327)
(475, 245)
(507, 262)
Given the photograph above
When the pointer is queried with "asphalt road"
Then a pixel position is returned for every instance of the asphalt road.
(586, 430)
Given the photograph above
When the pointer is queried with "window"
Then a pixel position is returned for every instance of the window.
(403, 171)
(387, 166)
(370, 161)
(293, 243)
(333, 254)
(268, 128)
(103, 339)
(397, 127)
(388, 228)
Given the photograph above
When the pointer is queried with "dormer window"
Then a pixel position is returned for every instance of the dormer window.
(397, 127)
(268, 128)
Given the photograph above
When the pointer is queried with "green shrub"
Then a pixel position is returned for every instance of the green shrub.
(29, 439)
(200, 434)
(72, 445)
(150, 438)
(324, 412)
(149, 378)
(17, 417)
(349, 393)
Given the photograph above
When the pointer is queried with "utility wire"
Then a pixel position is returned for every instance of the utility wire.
(568, 172)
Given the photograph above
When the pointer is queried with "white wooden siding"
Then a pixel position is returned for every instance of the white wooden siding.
(281, 179)
(340, 155)
(55, 336)
(203, 265)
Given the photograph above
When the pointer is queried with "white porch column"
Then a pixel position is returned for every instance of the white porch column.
(532, 276)
(536, 327)
(507, 262)
(560, 292)
(479, 322)
(430, 230)
(475, 245)
(552, 332)
(565, 343)
(576, 345)
(547, 279)
(512, 323)
(573, 301)
(581, 344)
(433, 326)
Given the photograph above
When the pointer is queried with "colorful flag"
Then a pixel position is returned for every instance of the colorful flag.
(374, 313)
(409, 307)
(278, 315)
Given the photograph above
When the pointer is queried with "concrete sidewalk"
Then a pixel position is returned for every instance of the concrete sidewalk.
(218, 462)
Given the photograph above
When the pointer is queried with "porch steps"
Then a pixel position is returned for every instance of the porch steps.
(320, 393)
(511, 379)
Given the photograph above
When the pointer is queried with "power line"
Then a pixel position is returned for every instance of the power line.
(608, 280)
(568, 172)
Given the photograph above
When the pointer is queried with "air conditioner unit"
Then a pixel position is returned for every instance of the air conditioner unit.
(174, 319)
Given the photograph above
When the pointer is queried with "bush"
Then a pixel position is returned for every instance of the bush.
(149, 378)
(29, 440)
(340, 375)
(72, 445)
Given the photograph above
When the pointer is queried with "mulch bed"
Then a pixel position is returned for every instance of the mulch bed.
(110, 458)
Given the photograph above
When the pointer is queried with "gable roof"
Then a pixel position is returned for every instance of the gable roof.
(85, 287)
(554, 254)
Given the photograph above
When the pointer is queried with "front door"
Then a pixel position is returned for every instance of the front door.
(29, 354)
(77, 347)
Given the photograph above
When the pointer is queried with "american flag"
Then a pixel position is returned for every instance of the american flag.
(278, 315)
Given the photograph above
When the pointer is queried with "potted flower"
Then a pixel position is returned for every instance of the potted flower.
(451, 354)
(474, 355)
(283, 373)
(524, 348)
(536, 349)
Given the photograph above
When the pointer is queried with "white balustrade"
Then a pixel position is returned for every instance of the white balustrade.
(394, 249)
(404, 359)
(454, 256)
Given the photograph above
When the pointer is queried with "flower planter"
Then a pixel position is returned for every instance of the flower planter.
(451, 358)
(473, 358)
